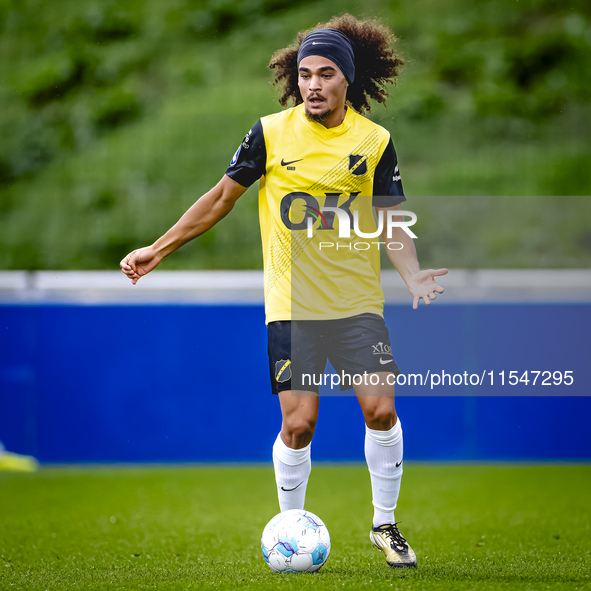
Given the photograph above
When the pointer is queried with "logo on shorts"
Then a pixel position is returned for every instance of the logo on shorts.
(381, 349)
(283, 370)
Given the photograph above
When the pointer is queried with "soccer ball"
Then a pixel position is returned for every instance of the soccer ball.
(295, 541)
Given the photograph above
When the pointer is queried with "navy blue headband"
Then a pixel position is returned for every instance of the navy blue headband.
(332, 44)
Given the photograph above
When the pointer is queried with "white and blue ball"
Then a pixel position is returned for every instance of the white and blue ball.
(295, 541)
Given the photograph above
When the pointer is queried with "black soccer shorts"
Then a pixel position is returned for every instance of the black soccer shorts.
(299, 349)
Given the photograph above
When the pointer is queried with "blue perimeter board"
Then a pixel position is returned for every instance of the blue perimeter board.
(150, 383)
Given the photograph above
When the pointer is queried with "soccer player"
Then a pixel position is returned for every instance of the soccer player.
(323, 169)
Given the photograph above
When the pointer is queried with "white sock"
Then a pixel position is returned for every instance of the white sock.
(292, 469)
(383, 452)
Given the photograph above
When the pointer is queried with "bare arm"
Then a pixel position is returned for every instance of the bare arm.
(205, 213)
(420, 284)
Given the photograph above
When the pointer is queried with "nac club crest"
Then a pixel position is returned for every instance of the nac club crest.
(282, 370)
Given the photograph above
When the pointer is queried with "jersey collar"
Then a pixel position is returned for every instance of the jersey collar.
(333, 131)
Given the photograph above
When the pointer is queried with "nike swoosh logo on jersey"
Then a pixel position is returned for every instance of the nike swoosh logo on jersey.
(398, 463)
(283, 163)
(386, 361)
(290, 489)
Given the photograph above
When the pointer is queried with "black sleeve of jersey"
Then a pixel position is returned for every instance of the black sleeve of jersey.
(387, 186)
(250, 160)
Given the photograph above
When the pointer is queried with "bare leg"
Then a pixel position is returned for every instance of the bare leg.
(299, 410)
(377, 403)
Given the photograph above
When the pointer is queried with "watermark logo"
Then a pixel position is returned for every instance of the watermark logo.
(391, 223)
(320, 218)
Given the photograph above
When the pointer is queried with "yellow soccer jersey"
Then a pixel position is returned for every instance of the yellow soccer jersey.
(319, 263)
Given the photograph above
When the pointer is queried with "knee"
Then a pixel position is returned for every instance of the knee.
(381, 418)
(298, 431)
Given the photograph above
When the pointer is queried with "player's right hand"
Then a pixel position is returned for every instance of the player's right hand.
(139, 263)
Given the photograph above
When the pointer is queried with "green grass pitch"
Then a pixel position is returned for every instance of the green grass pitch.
(472, 526)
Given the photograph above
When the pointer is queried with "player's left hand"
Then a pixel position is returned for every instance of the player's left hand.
(422, 285)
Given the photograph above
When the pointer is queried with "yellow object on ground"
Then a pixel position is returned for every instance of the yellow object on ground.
(17, 462)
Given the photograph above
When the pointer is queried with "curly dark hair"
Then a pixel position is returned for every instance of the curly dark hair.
(376, 63)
